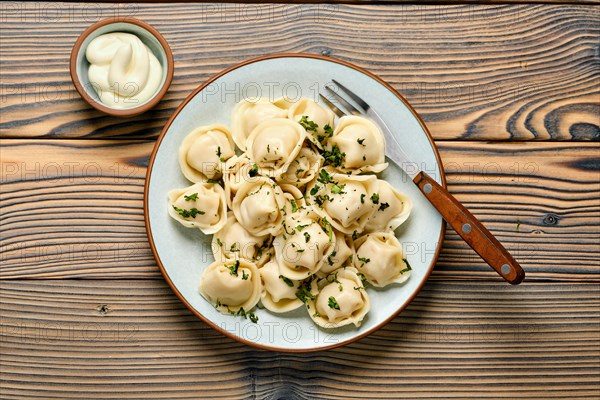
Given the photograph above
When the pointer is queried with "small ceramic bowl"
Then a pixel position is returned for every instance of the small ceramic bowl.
(79, 64)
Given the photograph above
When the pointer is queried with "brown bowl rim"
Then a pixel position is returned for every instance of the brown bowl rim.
(129, 112)
(149, 230)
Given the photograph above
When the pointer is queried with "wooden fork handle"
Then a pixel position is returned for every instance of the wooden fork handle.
(470, 229)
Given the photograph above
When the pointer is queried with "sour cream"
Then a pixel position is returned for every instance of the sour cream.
(123, 70)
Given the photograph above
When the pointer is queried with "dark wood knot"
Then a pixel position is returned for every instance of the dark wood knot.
(551, 219)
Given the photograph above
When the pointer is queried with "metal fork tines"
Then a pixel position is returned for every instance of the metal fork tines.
(362, 108)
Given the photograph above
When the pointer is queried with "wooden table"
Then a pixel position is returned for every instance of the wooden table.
(511, 94)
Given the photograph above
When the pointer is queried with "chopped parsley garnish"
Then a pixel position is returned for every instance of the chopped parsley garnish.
(300, 250)
(245, 276)
(383, 206)
(268, 148)
(332, 303)
(329, 260)
(327, 228)
(306, 237)
(360, 141)
(334, 156)
(354, 235)
(243, 313)
(286, 229)
(375, 198)
(314, 190)
(332, 278)
(337, 189)
(294, 205)
(219, 242)
(408, 267)
(217, 181)
(191, 197)
(321, 199)
(287, 281)
(253, 171)
(328, 132)
(307, 124)
(304, 293)
(300, 227)
(219, 151)
(188, 213)
(362, 198)
(324, 177)
(363, 278)
(364, 260)
(233, 268)
(234, 247)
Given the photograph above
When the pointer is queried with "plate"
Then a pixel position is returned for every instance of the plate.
(182, 253)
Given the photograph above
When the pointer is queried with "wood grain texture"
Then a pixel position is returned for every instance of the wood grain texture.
(476, 72)
(411, 2)
(78, 213)
(134, 339)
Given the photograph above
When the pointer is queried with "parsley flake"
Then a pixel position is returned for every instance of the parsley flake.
(188, 213)
(332, 303)
(383, 206)
(408, 267)
(304, 293)
(217, 181)
(287, 281)
(327, 228)
(363, 278)
(307, 124)
(334, 156)
(253, 171)
(337, 189)
(233, 269)
(324, 177)
(191, 197)
(321, 199)
(375, 198)
(300, 227)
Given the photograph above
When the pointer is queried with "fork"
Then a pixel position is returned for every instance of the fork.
(454, 213)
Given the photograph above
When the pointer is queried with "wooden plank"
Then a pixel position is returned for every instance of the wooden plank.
(476, 72)
(134, 339)
(411, 2)
(73, 208)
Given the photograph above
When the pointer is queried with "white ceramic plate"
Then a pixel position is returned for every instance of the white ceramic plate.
(182, 254)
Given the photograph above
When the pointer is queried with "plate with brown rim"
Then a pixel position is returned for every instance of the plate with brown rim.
(182, 253)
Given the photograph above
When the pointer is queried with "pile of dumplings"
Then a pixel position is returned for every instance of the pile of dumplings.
(297, 214)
